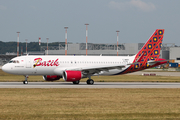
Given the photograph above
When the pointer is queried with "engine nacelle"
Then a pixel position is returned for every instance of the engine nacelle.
(51, 77)
(71, 76)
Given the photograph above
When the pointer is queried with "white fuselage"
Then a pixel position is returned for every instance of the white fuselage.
(55, 65)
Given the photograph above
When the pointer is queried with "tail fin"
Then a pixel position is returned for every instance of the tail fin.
(150, 51)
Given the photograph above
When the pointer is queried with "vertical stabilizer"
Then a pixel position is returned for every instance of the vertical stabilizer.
(152, 47)
(149, 52)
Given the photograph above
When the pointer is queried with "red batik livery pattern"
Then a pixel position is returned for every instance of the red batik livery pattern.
(150, 51)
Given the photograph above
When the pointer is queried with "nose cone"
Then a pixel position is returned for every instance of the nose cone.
(6, 68)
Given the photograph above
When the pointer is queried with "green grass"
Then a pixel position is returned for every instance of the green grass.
(80, 104)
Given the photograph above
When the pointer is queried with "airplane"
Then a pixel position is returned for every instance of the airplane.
(74, 68)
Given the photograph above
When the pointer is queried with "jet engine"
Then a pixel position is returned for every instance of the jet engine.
(51, 77)
(71, 76)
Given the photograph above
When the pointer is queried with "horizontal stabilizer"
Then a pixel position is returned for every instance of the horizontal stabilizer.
(152, 62)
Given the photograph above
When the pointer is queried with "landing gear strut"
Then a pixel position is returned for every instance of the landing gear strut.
(26, 81)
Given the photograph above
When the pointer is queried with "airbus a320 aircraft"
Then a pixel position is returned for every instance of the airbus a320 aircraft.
(73, 68)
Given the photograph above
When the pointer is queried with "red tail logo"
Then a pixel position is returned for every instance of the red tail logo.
(150, 51)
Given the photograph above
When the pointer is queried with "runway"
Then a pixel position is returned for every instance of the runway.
(84, 85)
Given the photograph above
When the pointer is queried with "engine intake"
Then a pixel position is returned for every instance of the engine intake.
(71, 76)
(51, 77)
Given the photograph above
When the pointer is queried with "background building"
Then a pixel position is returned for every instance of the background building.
(169, 51)
(106, 49)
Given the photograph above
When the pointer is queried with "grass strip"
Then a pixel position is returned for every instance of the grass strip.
(89, 104)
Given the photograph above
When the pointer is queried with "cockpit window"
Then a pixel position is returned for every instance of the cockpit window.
(10, 61)
(14, 61)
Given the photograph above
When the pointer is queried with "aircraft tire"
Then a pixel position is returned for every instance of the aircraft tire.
(90, 81)
(25, 82)
(76, 82)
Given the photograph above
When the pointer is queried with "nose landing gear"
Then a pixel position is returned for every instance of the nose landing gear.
(26, 80)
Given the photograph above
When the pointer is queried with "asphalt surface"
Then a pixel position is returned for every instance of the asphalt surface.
(100, 84)
(84, 85)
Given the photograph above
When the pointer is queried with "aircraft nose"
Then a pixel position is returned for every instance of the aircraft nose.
(5, 68)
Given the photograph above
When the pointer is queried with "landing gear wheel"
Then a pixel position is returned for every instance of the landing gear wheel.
(76, 82)
(25, 82)
(90, 82)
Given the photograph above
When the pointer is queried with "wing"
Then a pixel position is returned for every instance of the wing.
(88, 71)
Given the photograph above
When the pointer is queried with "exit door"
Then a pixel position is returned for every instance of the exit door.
(28, 63)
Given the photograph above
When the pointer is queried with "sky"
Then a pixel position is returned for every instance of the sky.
(135, 19)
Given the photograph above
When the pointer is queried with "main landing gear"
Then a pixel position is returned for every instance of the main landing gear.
(89, 82)
(76, 82)
(26, 81)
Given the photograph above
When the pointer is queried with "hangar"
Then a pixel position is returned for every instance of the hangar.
(124, 49)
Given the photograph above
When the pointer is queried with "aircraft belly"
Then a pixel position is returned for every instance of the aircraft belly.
(44, 71)
(35, 71)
